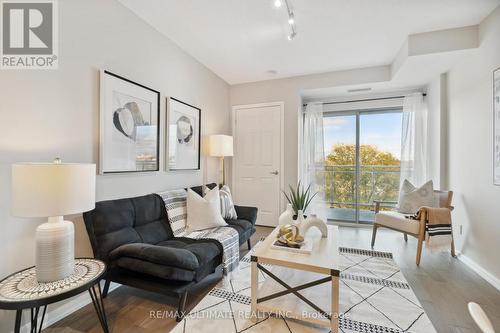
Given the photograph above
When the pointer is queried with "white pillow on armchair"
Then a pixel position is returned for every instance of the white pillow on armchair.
(204, 213)
(412, 198)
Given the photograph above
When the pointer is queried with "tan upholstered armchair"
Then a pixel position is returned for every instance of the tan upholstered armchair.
(399, 222)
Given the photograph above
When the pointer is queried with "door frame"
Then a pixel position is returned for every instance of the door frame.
(281, 105)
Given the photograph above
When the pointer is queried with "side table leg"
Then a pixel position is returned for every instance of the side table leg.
(36, 326)
(17, 327)
(98, 303)
(335, 305)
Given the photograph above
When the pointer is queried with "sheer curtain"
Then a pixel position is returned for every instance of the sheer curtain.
(414, 140)
(313, 154)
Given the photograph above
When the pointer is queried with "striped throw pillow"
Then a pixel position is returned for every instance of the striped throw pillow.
(175, 202)
(226, 204)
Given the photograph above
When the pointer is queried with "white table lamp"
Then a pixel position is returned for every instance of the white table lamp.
(220, 145)
(52, 190)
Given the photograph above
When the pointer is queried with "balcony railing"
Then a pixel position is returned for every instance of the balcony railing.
(376, 183)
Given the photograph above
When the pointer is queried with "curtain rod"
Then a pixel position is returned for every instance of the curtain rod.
(365, 100)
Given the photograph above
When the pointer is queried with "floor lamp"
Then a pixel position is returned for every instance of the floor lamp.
(220, 145)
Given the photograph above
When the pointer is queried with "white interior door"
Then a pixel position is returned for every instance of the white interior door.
(257, 161)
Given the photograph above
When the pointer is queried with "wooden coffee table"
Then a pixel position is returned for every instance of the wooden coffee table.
(305, 271)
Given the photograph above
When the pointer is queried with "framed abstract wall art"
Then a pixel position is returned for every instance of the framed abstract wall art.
(496, 126)
(129, 126)
(184, 135)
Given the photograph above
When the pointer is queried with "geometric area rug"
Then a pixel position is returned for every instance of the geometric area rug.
(375, 297)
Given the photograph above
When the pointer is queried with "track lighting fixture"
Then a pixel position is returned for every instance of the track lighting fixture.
(291, 16)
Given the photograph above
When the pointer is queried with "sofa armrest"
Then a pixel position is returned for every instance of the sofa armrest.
(247, 213)
(161, 255)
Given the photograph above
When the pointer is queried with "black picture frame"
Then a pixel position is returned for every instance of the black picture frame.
(168, 135)
(102, 123)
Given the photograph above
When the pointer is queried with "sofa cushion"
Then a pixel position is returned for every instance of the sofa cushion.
(160, 271)
(163, 255)
(180, 259)
(244, 228)
(397, 221)
(229, 239)
(208, 252)
(124, 221)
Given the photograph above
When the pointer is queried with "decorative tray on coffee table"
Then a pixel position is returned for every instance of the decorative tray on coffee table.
(305, 247)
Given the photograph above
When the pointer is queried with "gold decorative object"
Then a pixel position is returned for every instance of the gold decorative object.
(289, 235)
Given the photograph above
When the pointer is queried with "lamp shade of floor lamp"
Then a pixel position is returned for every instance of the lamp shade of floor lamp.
(220, 145)
(53, 190)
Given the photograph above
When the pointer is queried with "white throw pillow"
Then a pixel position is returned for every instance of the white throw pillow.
(204, 213)
(412, 198)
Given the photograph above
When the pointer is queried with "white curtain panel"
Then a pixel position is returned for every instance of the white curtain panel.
(414, 165)
(313, 153)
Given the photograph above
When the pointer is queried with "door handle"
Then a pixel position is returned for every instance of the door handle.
(275, 172)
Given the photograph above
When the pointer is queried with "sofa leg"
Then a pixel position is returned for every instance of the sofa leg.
(182, 307)
(249, 245)
(106, 288)
(406, 237)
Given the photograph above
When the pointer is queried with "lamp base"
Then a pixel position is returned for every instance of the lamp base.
(55, 250)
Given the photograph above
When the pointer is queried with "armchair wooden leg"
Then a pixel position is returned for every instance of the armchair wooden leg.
(453, 247)
(406, 237)
(419, 249)
(374, 234)
(249, 244)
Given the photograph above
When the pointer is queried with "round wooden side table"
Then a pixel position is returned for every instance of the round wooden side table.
(21, 291)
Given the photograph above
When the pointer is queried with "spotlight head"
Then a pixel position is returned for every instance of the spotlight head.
(277, 3)
(292, 35)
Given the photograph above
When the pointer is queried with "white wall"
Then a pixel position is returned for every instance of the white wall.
(470, 153)
(289, 91)
(437, 129)
(44, 114)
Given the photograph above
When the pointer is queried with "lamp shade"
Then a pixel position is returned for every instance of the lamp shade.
(47, 189)
(220, 145)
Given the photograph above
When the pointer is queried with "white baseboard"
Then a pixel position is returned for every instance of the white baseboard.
(53, 316)
(490, 278)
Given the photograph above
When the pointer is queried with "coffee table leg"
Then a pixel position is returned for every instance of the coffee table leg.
(335, 305)
(98, 303)
(254, 285)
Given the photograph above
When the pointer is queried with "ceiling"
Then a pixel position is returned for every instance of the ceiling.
(246, 40)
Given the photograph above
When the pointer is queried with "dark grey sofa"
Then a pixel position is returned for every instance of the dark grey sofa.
(133, 236)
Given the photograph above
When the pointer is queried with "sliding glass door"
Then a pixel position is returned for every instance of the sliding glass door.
(340, 139)
(362, 152)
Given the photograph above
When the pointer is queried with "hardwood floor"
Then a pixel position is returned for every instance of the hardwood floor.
(443, 285)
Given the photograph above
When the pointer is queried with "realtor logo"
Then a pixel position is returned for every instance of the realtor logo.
(29, 34)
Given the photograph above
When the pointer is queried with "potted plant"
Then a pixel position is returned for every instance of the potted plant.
(299, 198)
